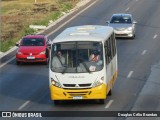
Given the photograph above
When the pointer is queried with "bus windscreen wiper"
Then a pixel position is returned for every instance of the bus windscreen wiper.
(64, 70)
(65, 67)
(84, 64)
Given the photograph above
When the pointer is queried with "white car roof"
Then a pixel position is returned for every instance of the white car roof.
(121, 14)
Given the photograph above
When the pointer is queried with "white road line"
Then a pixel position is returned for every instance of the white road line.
(7, 61)
(23, 105)
(155, 36)
(71, 18)
(109, 104)
(144, 52)
(130, 74)
(127, 9)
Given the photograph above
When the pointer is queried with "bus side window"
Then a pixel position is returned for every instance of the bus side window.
(113, 44)
(107, 52)
(111, 47)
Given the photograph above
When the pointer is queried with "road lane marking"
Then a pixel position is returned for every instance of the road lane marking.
(7, 61)
(144, 52)
(130, 74)
(23, 105)
(109, 104)
(127, 9)
(71, 18)
(155, 36)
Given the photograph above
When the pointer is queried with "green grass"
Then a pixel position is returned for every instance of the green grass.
(66, 6)
(6, 45)
(53, 16)
(17, 15)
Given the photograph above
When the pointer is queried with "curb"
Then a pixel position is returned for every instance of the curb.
(9, 51)
(77, 7)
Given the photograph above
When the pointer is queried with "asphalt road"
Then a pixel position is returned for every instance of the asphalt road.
(26, 87)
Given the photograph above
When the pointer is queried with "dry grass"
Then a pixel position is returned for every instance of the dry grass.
(17, 15)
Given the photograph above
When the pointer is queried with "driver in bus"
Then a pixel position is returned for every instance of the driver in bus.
(94, 57)
(58, 60)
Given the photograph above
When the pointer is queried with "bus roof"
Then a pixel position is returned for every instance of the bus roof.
(84, 33)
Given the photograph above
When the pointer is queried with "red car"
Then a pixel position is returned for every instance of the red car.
(32, 48)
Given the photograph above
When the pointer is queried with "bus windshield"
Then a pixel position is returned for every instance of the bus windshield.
(76, 57)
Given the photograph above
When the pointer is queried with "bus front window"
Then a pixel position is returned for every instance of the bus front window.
(76, 57)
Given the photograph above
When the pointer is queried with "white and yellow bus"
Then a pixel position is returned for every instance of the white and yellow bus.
(73, 75)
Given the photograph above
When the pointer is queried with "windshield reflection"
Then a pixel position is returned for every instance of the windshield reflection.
(76, 57)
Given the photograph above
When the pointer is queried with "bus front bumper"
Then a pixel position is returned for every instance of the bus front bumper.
(69, 94)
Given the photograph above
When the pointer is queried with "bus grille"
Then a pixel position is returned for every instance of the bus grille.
(78, 93)
(69, 85)
(77, 85)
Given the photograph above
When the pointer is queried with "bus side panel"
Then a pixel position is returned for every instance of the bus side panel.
(112, 73)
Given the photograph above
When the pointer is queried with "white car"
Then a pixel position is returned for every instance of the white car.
(123, 24)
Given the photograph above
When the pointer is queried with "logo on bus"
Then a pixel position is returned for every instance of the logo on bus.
(76, 76)
(77, 85)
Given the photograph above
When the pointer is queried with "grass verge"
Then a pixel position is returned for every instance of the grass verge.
(17, 15)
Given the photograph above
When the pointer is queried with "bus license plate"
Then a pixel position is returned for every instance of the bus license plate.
(77, 97)
(30, 57)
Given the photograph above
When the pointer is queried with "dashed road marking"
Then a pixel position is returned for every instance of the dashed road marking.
(155, 36)
(130, 74)
(23, 105)
(127, 9)
(109, 104)
(144, 52)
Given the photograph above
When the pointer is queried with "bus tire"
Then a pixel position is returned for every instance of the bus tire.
(110, 93)
(56, 102)
(102, 101)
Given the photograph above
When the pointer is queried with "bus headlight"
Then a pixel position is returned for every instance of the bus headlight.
(98, 82)
(55, 83)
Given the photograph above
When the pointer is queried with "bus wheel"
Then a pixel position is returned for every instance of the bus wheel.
(102, 101)
(110, 93)
(56, 102)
